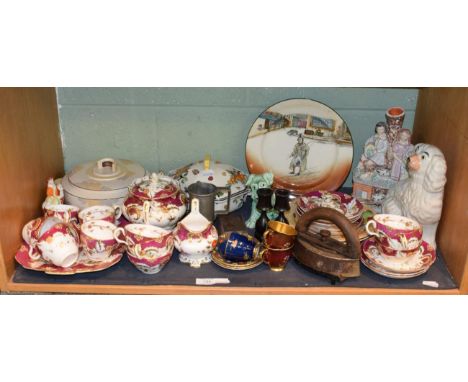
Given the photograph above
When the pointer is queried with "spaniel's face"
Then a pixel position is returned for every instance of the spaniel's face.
(429, 162)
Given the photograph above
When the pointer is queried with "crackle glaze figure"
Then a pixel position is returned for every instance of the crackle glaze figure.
(256, 181)
(420, 196)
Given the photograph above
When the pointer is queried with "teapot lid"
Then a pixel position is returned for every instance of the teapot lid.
(107, 175)
(154, 187)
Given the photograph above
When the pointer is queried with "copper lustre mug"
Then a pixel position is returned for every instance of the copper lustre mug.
(278, 241)
(279, 235)
(275, 258)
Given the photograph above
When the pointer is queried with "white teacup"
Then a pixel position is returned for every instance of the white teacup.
(108, 213)
(58, 244)
(97, 239)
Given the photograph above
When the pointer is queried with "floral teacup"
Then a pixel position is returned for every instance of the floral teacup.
(395, 232)
(145, 241)
(97, 239)
(58, 244)
(108, 213)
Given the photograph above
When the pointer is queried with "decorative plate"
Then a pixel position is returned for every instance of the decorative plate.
(399, 265)
(304, 143)
(83, 265)
(344, 203)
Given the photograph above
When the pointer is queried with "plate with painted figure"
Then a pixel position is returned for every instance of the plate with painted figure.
(304, 143)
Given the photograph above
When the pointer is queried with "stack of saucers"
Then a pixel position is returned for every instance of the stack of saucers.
(396, 249)
(339, 201)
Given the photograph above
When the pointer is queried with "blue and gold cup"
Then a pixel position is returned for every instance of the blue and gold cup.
(238, 247)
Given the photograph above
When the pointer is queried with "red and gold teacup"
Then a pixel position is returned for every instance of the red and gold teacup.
(56, 242)
(145, 241)
(97, 239)
(395, 233)
(108, 213)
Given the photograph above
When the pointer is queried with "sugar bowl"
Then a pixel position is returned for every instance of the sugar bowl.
(156, 200)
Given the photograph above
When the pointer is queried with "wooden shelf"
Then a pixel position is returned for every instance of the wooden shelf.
(34, 153)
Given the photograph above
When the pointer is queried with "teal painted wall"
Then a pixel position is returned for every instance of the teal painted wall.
(165, 128)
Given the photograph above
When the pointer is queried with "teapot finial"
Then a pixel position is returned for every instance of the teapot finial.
(154, 177)
(206, 162)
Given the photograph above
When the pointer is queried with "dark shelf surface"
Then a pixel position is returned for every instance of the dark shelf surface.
(177, 273)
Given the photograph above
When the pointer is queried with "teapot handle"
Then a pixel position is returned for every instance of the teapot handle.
(146, 211)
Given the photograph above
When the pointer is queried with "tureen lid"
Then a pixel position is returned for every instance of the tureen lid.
(102, 179)
(214, 172)
(154, 187)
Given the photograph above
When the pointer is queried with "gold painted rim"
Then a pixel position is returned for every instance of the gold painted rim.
(277, 249)
(283, 228)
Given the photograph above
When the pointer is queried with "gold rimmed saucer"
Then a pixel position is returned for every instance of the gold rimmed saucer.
(233, 265)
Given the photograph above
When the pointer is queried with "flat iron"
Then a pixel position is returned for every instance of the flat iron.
(323, 254)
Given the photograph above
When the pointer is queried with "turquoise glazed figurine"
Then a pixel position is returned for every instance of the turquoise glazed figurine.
(256, 181)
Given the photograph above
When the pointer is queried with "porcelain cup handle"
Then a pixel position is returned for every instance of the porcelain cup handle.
(119, 231)
(66, 216)
(32, 246)
(137, 249)
(118, 211)
(371, 226)
(146, 212)
(265, 235)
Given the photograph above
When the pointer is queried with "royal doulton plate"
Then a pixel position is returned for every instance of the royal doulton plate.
(422, 260)
(83, 265)
(304, 143)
